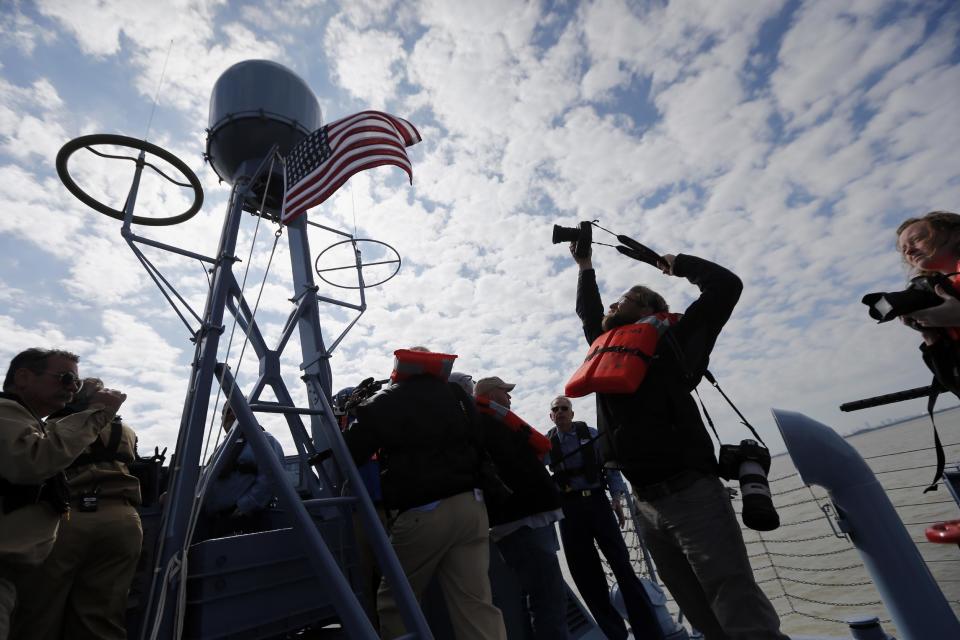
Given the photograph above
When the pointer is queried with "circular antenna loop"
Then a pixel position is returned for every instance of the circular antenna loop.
(392, 257)
(88, 142)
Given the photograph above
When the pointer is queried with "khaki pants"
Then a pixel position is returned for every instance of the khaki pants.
(80, 591)
(453, 542)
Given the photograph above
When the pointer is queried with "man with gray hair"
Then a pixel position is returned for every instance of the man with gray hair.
(589, 525)
(33, 490)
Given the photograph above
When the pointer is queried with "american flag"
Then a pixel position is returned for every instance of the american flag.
(324, 160)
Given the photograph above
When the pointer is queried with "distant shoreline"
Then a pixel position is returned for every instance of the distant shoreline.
(900, 421)
(883, 426)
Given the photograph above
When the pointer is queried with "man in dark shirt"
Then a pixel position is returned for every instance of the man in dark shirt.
(658, 439)
(431, 458)
(589, 524)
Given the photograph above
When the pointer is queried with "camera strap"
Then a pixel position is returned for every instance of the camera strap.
(706, 414)
(935, 389)
(743, 419)
(681, 360)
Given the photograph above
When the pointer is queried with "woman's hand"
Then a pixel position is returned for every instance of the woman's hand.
(945, 314)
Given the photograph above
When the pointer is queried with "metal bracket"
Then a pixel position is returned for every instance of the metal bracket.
(836, 521)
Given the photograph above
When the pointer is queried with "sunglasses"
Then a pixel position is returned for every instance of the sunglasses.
(67, 378)
(636, 301)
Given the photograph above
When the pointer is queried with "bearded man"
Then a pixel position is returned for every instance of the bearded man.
(657, 438)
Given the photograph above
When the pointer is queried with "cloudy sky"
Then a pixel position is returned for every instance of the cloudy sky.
(784, 140)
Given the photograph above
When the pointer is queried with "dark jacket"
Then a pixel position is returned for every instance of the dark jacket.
(565, 469)
(533, 491)
(657, 432)
(429, 441)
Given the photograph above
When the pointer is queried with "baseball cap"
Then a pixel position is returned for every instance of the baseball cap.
(485, 385)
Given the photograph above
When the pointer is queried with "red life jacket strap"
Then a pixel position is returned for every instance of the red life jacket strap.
(536, 440)
(634, 352)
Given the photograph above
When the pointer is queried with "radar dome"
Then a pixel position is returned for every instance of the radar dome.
(254, 105)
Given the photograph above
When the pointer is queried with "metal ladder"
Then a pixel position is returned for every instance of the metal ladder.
(175, 528)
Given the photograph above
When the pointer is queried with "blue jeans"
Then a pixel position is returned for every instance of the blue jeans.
(532, 554)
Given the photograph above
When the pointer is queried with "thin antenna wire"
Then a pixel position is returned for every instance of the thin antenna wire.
(353, 199)
(156, 96)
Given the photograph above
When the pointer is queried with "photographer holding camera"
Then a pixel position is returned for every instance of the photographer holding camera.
(81, 588)
(658, 438)
(930, 245)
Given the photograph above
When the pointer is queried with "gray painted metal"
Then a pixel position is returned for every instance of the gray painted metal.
(352, 616)
(226, 294)
(951, 479)
(162, 617)
(911, 595)
(256, 104)
(867, 628)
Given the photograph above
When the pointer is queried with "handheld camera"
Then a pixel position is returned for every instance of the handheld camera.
(919, 294)
(366, 389)
(582, 235)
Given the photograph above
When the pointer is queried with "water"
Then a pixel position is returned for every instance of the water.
(816, 580)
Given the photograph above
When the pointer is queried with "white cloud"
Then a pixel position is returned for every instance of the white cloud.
(181, 40)
(20, 31)
(672, 123)
(368, 64)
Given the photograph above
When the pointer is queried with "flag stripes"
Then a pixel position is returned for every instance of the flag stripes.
(323, 161)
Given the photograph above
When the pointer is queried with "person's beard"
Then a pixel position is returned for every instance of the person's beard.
(614, 320)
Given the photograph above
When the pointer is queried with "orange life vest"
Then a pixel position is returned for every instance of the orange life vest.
(618, 359)
(537, 441)
(407, 363)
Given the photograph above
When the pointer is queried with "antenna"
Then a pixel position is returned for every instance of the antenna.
(156, 95)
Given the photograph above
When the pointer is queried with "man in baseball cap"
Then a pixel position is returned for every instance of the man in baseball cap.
(522, 524)
(496, 389)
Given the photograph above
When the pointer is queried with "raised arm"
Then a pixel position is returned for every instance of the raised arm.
(589, 306)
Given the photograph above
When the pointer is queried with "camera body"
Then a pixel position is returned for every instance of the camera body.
(749, 462)
(363, 391)
(919, 294)
(581, 234)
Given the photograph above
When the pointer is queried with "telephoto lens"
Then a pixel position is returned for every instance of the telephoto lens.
(582, 235)
(564, 234)
(758, 511)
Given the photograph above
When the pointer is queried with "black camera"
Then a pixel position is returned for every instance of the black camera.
(363, 391)
(582, 235)
(750, 463)
(918, 295)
